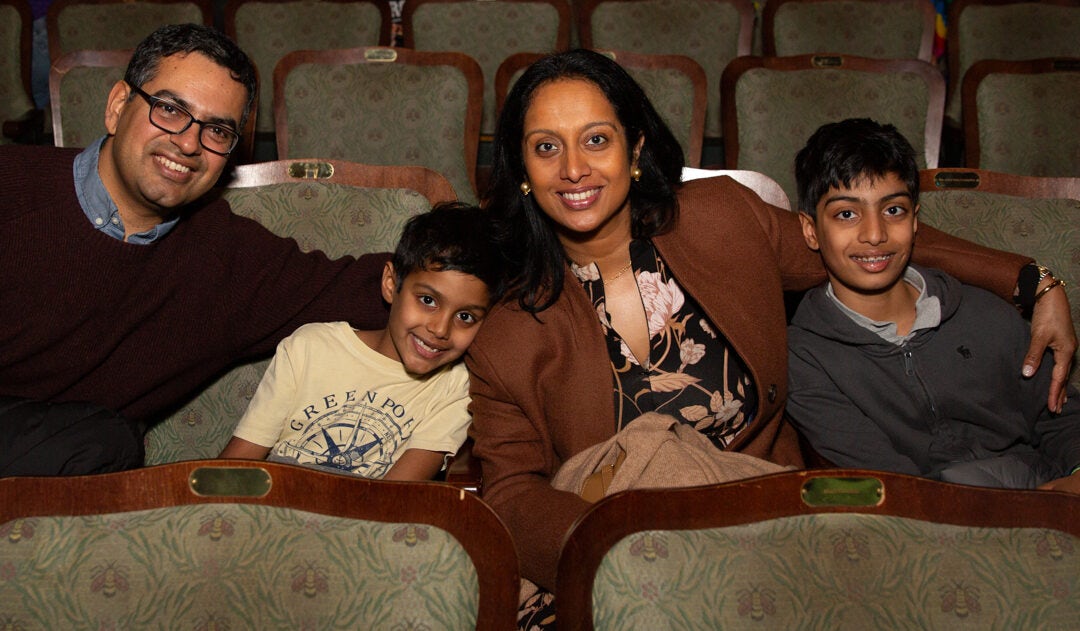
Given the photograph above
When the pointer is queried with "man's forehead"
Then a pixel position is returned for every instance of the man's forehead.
(200, 84)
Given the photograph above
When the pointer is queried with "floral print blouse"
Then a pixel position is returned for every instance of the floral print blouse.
(692, 373)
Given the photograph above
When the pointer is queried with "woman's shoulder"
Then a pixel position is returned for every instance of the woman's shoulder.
(509, 326)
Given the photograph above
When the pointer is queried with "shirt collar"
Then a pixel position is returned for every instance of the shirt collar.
(98, 205)
(927, 311)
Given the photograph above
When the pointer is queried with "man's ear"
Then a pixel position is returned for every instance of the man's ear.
(809, 232)
(915, 220)
(118, 100)
(388, 284)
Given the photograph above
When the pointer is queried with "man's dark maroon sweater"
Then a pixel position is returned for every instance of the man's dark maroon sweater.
(139, 328)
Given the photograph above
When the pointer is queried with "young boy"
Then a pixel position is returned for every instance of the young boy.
(390, 403)
(901, 368)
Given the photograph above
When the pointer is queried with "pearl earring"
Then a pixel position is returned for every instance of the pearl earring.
(636, 174)
(525, 188)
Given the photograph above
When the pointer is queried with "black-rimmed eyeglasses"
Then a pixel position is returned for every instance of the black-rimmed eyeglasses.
(171, 117)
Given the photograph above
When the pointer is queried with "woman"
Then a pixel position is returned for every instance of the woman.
(635, 294)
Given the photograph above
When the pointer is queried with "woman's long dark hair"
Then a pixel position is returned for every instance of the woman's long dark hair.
(537, 256)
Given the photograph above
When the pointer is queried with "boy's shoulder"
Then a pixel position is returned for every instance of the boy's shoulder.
(319, 334)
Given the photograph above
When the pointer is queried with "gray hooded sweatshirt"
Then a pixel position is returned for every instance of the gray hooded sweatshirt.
(947, 402)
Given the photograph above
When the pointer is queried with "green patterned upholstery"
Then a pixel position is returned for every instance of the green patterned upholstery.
(232, 566)
(75, 25)
(824, 549)
(335, 218)
(239, 544)
(15, 102)
(841, 571)
(867, 28)
(778, 109)
(80, 88)
(1047, 230)
(672, 93)
(387, 113)
(1029, 124)
(268, 30)
(708, 31)
(489, 31)
(1020, 30)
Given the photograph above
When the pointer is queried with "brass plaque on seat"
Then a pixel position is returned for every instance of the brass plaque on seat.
(311, 170)
(827, 61)
(957, 179)
(829, 491)
(380, 54)
(230, 481)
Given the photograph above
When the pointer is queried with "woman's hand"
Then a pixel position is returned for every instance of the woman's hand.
(1069, 484)
(1052, 327)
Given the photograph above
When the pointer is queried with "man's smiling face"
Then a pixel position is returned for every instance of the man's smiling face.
(149, 172)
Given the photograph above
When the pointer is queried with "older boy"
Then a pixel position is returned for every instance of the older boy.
(388, 403)
(902, 368)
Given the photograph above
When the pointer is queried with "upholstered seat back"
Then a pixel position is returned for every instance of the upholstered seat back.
(111, 24)
(1046, 229)
(712, 32)
(1025, 117)
(996, 29)
(79, 86)
(489, 32)
(775, 104)
(15, 98)
(840, 571)
(844, 549)
(266, 30)
(678, 88)
(890, 29)
(382, 106)
(234, 566)
(238, 544)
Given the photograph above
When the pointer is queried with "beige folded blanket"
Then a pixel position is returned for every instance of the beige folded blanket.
(657, 451)
(660, 452)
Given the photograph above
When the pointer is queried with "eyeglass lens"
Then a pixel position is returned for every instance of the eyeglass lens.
(172, 118)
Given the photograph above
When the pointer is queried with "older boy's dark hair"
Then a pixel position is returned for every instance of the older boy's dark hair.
(840, 153)
(452, 236)
(192, 38)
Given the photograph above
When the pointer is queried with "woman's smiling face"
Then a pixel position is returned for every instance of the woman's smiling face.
(577, 160)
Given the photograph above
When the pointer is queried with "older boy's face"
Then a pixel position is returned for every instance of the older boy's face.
(433, 318)
(865, 234)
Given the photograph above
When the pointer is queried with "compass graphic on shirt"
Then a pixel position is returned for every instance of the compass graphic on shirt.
(356, 437)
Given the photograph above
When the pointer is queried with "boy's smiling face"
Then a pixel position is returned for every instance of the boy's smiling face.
(865, 234)
(434, 316)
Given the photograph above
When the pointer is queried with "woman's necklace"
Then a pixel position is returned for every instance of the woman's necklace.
(620, 273)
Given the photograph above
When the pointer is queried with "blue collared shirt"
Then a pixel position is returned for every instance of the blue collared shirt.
(98, 205)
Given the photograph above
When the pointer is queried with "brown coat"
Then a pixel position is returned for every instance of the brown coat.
(542, 388)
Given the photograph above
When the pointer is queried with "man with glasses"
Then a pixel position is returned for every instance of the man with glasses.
(124, 286)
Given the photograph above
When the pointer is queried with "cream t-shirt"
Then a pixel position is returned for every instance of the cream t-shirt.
(330, 400)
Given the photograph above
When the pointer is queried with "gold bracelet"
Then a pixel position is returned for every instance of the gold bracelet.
(1057, 283)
